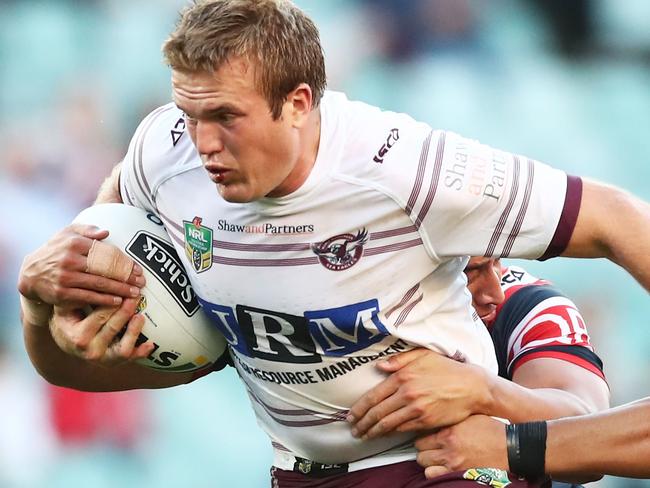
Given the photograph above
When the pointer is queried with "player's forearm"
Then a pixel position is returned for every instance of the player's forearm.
(62, 369)
(615, 442)
(520, 404)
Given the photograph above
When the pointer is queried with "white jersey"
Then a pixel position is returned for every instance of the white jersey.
(310, 289)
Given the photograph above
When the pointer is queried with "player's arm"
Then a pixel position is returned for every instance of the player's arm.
(613, 442)
(426, 390)
(57, 272)
(86, 353)
(614, 224)
(546, 388)
(59, 347)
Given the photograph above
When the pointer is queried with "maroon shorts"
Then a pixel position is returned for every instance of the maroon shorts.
(407, 474)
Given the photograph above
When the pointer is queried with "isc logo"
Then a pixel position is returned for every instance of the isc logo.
(277, 336)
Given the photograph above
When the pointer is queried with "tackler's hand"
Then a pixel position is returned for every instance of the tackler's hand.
(479, 440)
(424, 390)
(76, 268)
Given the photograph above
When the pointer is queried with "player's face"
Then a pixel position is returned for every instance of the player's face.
(246, 153)
(484, 283)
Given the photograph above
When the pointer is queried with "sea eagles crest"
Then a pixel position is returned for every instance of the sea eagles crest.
(342, 251)
(198, 244)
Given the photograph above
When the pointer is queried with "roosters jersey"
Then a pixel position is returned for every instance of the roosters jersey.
(362, 261)
(537, 321)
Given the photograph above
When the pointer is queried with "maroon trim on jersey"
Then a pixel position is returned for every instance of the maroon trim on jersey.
(435, 177)
(398, 246)
(409, 294)
(568, 357)
(265, 262)
(137, 154)
(279, 447)
(318, 418)
(419, 177)
(568, 218)
(407, 310)
(297, 247)
(392, 233)
(489, 252)
(522, 211)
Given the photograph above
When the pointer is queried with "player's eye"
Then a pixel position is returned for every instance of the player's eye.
(226, 118)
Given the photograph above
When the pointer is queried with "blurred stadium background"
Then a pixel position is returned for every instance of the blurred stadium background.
(563, 81)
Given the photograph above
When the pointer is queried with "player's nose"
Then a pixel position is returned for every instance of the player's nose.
(209, 139)
(490, 291)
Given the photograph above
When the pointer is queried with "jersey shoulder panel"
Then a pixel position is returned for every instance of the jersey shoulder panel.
(379, 148)
(464, 197)
(159, 149)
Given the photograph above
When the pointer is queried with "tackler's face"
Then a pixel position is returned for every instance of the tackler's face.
(484, 283)
(246, 153)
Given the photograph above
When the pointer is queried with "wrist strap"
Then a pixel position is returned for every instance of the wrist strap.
(526, 444)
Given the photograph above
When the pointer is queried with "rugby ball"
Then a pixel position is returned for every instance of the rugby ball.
(185, 339)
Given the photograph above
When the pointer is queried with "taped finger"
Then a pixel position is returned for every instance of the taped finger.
(108, 261)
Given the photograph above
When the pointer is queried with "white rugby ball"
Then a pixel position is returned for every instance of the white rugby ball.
(185, 339)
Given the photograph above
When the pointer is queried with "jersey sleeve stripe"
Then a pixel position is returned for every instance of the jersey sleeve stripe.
(138, 164)
(393, 232)
(568, 218)
(405, 313)
(506, 211)
(409, 294)
(399, 246)
(424, 154)
(522, 211)
(435, 178)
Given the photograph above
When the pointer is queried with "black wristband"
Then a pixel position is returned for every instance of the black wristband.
(526, 444)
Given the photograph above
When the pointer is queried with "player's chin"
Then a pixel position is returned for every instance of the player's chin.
(235, 193)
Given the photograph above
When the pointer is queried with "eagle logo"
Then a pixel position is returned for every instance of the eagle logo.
(342, 251)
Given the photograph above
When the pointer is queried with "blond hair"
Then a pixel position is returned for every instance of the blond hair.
(278, 38)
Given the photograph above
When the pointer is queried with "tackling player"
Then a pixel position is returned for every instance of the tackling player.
(542, 346)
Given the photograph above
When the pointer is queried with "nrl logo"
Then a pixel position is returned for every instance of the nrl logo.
(342, 251)
(198, 244)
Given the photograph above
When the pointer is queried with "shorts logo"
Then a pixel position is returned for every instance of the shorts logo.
(496, 478)
(198, 244)
(342, 251)
(304, 466)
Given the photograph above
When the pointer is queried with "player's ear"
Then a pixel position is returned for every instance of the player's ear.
(299, 105)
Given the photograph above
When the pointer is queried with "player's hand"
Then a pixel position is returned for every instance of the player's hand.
(425, 390)
(57, 273)
(100, 337)
(478, 441)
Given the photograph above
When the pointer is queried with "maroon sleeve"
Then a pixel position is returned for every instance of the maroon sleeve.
(568, 219)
